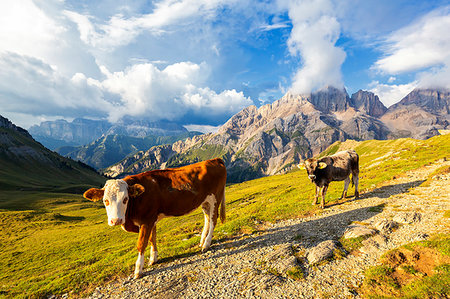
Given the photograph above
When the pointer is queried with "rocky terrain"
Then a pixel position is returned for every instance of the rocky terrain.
(303, 258)
(270, 139)
(419, 115)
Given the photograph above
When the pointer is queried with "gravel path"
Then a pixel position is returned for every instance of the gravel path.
(255, 266)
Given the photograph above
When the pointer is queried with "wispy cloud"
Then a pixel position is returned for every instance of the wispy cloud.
(422, 45)
(120, 30)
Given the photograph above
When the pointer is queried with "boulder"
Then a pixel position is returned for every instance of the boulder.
(357, 230)
(322, 251)
(386, 226)
(407, 217)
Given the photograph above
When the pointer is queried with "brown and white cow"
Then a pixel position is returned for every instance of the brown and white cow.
(337, 167)
(139, 201)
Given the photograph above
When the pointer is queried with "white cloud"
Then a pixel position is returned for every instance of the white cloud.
(422, 45)
(313, 37)
(170, 93)
(390, 94)
(141, 90)
(26, 29)
(120, 30)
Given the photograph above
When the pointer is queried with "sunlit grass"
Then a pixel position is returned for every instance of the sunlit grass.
(59, 243)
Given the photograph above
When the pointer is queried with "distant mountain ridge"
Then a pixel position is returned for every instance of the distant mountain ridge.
(81, 131)
(110, 149)
(270, 139)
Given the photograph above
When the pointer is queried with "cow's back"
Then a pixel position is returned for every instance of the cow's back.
(342, 164)
(178, 191)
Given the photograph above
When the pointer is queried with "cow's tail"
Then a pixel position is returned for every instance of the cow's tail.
(222, 213)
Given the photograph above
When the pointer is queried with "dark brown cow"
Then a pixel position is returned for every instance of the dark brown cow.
(337, 167)
(139, 201)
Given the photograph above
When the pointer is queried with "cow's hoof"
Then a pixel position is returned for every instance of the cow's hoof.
(205, 249)
(137, 275)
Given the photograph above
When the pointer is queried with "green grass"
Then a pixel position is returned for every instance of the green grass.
(380, 282)
(353, 244)
(54, 243)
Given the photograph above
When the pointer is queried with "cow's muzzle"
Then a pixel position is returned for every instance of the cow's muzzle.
(312, 177)
(115, 221)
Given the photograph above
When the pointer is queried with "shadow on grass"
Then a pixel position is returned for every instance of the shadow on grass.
(307, 233)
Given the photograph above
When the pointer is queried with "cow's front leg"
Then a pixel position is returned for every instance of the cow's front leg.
(317, 195)
(324, 192)
(153, 248)
(144, 234)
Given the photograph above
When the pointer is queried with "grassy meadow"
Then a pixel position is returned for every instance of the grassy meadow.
(55, 243)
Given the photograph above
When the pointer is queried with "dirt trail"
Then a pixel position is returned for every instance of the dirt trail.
(250, 266)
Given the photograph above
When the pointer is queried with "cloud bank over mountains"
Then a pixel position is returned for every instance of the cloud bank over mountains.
(199, 62)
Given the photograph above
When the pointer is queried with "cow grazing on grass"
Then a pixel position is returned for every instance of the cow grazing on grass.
(139, 201)
(337, 167)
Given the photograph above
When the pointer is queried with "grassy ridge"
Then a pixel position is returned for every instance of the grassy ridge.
(62, 243)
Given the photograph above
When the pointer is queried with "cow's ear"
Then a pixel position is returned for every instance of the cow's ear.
(301, 166)
(94, 194)
(322, 165)
(135, 190)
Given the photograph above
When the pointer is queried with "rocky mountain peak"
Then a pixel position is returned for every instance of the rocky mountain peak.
(368, 102)
(430, 100)
(330, 99)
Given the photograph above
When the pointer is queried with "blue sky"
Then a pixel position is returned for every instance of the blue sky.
(198, 62)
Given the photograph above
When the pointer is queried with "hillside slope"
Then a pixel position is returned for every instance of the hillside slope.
(276, 260)
(27, 165)
(66, 246)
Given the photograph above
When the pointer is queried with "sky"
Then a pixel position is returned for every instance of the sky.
(198, 62)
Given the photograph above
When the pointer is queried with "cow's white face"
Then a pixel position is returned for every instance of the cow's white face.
(115, 199)
(115, 195)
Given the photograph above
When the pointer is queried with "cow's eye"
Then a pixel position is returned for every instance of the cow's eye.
(125, 200)
(106, 202)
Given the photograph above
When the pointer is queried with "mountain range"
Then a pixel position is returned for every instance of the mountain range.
(81, 131)
(274, 137)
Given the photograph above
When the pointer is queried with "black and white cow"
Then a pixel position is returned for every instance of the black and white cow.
(337, 167)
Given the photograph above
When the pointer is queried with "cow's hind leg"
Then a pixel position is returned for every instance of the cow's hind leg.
(355, 178)
(213, 213)
(346, 183)
(153, 248)
(206, 207)
(144, 234)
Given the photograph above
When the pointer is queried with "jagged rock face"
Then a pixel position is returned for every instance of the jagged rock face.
(368, 103)
(419, 115)
(330, 99)
(61, 132)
